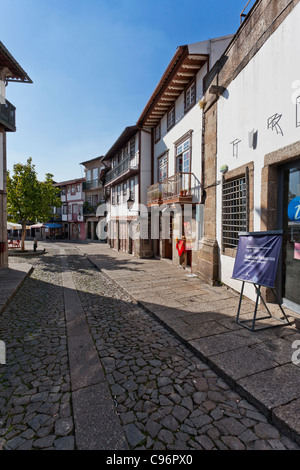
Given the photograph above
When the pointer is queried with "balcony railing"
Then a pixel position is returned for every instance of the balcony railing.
(8, 116)
(94, 184)
(129, 163)
(181, 185)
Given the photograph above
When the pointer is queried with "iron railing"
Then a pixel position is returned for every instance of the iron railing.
(93, 184)
(176, 186)
(129, 163)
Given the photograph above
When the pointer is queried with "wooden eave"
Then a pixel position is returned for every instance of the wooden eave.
(179, 74)
(16, 73)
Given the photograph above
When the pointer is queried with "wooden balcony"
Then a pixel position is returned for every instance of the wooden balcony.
(126, 168)
(8, 116)
(179, 188)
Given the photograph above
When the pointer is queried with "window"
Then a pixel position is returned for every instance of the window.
(183, 162)
(125, 192)
(95, 200)
(78, 187)
(190, 96)
(115, 161)
(162, 168)
(73, 190)
(235, 210)
(88, 175)
(80, 210)
(171, 118)
(132, 147)
(63, 192)
(113, 196)
(131, 189)
(65, 209)
(118, 194)
(157, 133)
(183, 155)
(95, 174)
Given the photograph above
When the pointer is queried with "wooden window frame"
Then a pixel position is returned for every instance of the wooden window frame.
(171, 110)
(164, 155)
(192, 103)
(157, 137)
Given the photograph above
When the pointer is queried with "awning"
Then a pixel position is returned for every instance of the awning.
(36, 226)
(12, 226)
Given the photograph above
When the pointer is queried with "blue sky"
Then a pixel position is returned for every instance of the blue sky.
(94, 65)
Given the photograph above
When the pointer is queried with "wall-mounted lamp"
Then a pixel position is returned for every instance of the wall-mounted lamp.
(224, 169)
(130, 203)
(217, 90)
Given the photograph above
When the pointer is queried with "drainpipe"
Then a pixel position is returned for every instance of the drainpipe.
(203, 148)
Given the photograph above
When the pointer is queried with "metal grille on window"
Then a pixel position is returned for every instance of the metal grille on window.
(235, 210)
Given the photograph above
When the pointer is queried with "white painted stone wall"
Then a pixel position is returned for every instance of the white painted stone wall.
(269, 84)
(192, 120)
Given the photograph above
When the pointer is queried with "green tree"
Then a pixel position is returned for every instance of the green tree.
(28, 199)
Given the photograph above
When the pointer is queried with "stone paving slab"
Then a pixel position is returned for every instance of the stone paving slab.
(257, 364)
(11, 279)
(96, 424)
(95, 417)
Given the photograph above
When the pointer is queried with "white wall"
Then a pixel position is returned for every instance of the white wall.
(145, 166)
(192, 120)
(266, 86)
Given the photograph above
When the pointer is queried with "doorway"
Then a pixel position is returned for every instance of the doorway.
(289, 207)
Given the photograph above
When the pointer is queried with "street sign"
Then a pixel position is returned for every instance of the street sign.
(257, 257)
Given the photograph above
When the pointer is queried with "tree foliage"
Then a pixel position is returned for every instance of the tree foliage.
(28, 199)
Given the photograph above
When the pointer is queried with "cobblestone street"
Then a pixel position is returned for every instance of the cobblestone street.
(163, 395)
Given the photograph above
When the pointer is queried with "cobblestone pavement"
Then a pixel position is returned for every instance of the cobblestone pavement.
(165, 397)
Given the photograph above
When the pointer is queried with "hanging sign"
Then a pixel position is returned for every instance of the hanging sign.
(257, 257)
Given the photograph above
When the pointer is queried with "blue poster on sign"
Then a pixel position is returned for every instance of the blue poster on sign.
(294, 210)
(257, 258)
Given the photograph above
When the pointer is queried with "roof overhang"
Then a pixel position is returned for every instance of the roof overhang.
(124, 138)
(15, 72)
(182, 69)
(93, 160)
(65, 183)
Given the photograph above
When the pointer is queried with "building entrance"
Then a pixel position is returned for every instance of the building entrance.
(290, 191)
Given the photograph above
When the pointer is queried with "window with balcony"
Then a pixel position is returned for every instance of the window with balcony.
(171, 118)
(190, 96)
(183, 163)
(162, 168)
